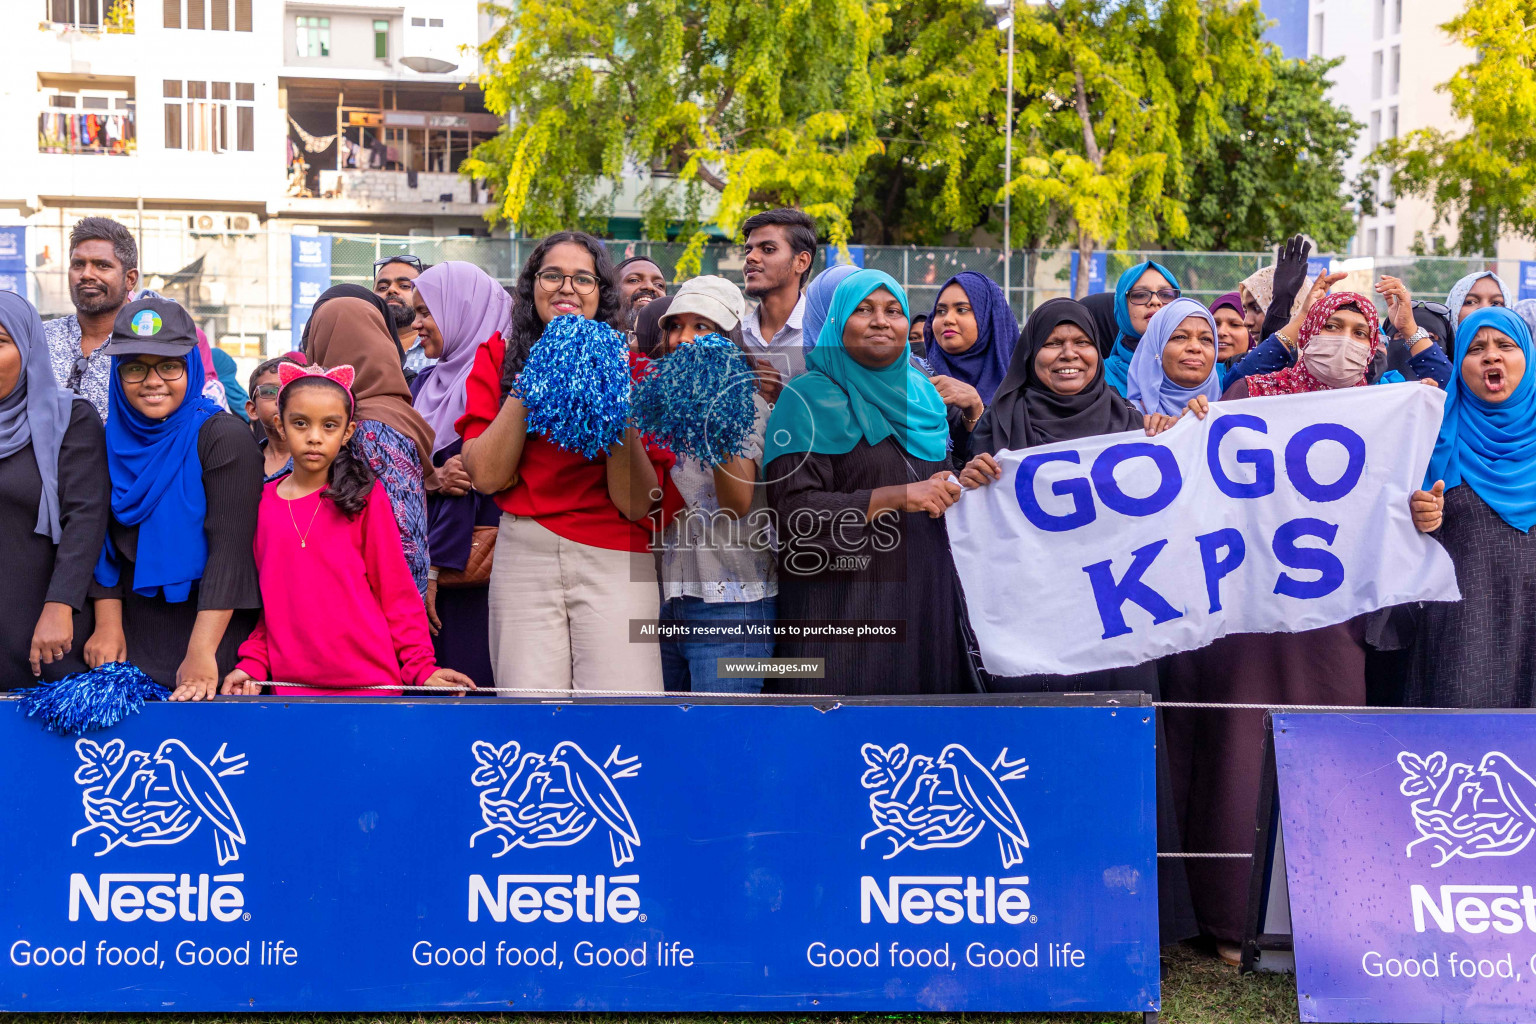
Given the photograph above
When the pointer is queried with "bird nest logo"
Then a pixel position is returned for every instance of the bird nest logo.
(555, 799)
(135, 798)
(922, 802)
(1462, 811)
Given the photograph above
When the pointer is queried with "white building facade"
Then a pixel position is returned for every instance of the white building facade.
(177, 118)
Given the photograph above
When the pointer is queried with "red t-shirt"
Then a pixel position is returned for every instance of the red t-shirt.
(564, 492)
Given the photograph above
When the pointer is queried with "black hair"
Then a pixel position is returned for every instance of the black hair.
(526, 325)
(105, 229)
(798, 227)
(351, 479)
(917, 318)
(267, 367)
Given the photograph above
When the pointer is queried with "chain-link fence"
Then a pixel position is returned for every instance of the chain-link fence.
(235, 277)
(1034, 276)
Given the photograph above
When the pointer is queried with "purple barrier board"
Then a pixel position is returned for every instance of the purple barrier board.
(1410, 863)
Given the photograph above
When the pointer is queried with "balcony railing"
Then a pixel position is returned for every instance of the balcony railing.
(114, 16)
(106, 132)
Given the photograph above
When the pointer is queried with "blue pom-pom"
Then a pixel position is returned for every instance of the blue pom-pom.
(576, 385)
(97, 699)
(698, 400)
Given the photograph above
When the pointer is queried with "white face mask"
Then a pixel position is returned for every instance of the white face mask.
(1336, 360)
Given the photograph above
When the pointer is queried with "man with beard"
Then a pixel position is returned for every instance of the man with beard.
(103, 272)
(641, 282)
(394, 280)
(781, 246)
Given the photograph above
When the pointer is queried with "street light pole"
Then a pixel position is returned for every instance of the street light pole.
(1007, 23)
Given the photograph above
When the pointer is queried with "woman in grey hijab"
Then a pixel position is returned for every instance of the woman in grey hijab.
(55, 497)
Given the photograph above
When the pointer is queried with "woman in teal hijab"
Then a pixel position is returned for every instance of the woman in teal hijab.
(858, 476)
(847, 396)
(1139, 293)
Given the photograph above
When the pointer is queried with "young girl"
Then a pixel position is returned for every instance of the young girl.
(322, 530)
(717, 555)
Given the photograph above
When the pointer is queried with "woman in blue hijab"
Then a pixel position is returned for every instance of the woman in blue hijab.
(858, 475)
(53, 505)
(1175, 361)
(818, 301)
(969, 338)
(1139, 293)
(1480, 504)
(176, 582)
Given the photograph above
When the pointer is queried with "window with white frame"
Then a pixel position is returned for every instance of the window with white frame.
(210, 117)
(313, 36)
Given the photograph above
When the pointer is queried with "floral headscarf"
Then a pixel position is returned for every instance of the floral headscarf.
(1297, 380)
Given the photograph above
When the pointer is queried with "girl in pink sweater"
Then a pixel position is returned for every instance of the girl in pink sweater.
(339, 607)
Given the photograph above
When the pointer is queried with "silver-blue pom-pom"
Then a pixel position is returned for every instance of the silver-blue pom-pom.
(576, 385)
(97, 699)
(698, 400)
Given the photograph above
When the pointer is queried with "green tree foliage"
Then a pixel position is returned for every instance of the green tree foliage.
(1277, 168)
(1135, 121)
(1482, 178)
(759, 103)
(941, 164)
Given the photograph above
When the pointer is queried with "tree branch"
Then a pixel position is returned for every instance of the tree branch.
(1090, 141)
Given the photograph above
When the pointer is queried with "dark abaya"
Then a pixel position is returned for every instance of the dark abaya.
(1478, 652)
(821, 502)
(38, 570)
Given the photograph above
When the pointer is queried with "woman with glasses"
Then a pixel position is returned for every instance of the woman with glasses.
(573, 563)
(1141, 291)
(54, 504)
(175, 586)
(391, 435)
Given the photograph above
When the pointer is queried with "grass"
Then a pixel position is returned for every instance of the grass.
(1196, 990)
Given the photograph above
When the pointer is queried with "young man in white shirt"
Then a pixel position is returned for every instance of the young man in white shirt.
(781, 246)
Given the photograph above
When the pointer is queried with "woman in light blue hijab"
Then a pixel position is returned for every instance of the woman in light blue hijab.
(1176, 360)
(858, 476)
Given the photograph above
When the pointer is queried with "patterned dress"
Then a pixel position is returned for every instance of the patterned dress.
(392, 457)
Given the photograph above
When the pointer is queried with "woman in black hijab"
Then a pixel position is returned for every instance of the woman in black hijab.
(1101, 305)
(1055, 391)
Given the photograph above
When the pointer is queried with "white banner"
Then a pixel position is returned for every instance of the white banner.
(1270, 515)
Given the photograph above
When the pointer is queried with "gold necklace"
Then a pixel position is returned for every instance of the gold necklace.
(304, 536)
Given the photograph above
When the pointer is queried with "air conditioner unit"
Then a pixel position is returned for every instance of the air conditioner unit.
(205, 222)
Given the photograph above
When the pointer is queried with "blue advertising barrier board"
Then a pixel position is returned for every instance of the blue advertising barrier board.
(485, 855)
(311, 270)
(1098, 270)
(1527, 287)
(1410, 863)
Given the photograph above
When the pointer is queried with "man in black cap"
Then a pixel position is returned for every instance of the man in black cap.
(641, 282)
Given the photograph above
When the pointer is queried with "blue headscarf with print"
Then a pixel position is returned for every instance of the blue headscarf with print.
(1491, 446)
(1118, 363)
(829, 409)
(157, 485)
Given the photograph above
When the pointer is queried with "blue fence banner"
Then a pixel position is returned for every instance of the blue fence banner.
(835, 258)
(480, 855)
(1098, 269)
(311, 276)
(13, 260)
(1528, 279)
(1410, 864)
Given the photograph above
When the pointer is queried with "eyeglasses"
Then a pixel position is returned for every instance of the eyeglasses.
(1143, 296)
(167, 370)
(77, 375)
(1434, 307)
(266, 390)
(553, 280)
(406, 258)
